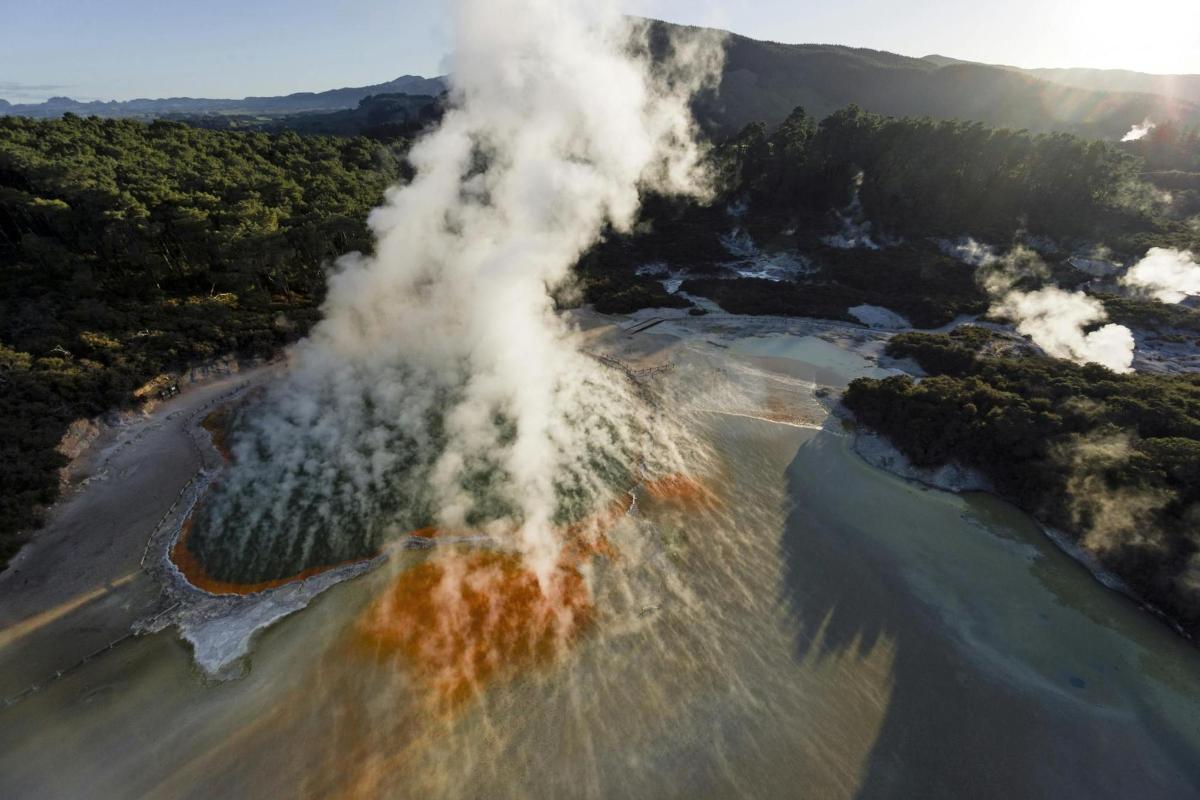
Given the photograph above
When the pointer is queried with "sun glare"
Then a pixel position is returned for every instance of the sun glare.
(1159, 36)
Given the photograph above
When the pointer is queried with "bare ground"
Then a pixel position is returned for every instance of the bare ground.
(78, 585)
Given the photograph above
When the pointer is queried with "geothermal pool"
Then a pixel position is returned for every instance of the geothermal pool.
(797, 624)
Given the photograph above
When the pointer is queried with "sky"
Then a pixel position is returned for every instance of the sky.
(121, 49)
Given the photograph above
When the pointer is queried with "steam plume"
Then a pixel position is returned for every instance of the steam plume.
(440, 388)
(1168, 275)
(1056, 319)
(1139, 131)
(1109, 518)
(970, 251)
(856, 228)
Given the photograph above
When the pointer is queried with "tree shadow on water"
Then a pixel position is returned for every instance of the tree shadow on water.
(952, 728)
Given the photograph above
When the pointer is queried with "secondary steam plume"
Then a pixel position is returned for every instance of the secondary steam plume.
(1139, 131)
(440, 388)
(1168, 275)
(1055, 319)
(856, 228)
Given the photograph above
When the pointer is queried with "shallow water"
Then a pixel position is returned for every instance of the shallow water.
(814, 628)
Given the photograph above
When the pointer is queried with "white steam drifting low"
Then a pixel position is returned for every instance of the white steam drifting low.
(1138, 132)
(1055, 319)
(1168, 275)
(440, 381)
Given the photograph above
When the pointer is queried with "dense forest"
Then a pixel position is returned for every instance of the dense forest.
(1168, 147)
(919, 177)
(131, 249)
(1113, 460)
(916, 181)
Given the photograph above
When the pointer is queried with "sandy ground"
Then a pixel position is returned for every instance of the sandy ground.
(78, 585)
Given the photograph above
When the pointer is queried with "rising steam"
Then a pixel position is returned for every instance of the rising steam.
(1055, 319)
(1167, 275)
(441, 388)
(1138, 132)
(855, 229)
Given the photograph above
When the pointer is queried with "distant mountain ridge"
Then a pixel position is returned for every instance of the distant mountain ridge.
(764, 81)
(1180, 87)
(297, 103)
(378, 116)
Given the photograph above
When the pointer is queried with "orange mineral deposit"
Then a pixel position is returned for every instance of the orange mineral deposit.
(466, 618)
(681, 490)
(194, 572)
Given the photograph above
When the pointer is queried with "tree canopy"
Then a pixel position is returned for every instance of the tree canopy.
(1113, 460)
(128, 249)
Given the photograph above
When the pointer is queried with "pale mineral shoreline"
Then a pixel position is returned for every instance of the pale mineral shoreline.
(220, 627)
(878, 451)
(78, 585)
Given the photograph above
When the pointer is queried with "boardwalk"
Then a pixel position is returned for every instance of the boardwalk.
(633, 373)
(643, 325)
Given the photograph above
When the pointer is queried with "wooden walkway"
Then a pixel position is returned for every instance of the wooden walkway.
(643, 325)
(631, 372)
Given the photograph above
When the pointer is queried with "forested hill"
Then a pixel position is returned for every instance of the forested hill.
(1184, 87)
(128, 250)
(764, 81)
(297, 103)
(379, 116)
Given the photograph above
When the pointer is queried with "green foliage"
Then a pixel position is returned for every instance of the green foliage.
(917, 180)
(1168, 146)
(1058, 438)
(1150, 314)
(943, 354)
(922, 177)
(127, 250)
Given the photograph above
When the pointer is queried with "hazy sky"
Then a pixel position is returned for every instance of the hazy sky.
(118, 49)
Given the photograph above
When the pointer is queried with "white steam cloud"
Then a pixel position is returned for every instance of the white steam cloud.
(856, 228)
(1168, 275)
(1139, 131)
(970, 251)
(1055, 319)
(441, 387)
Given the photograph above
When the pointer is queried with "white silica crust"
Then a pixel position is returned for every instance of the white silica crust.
(878, 451)
(221, 628)
(879, 317)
